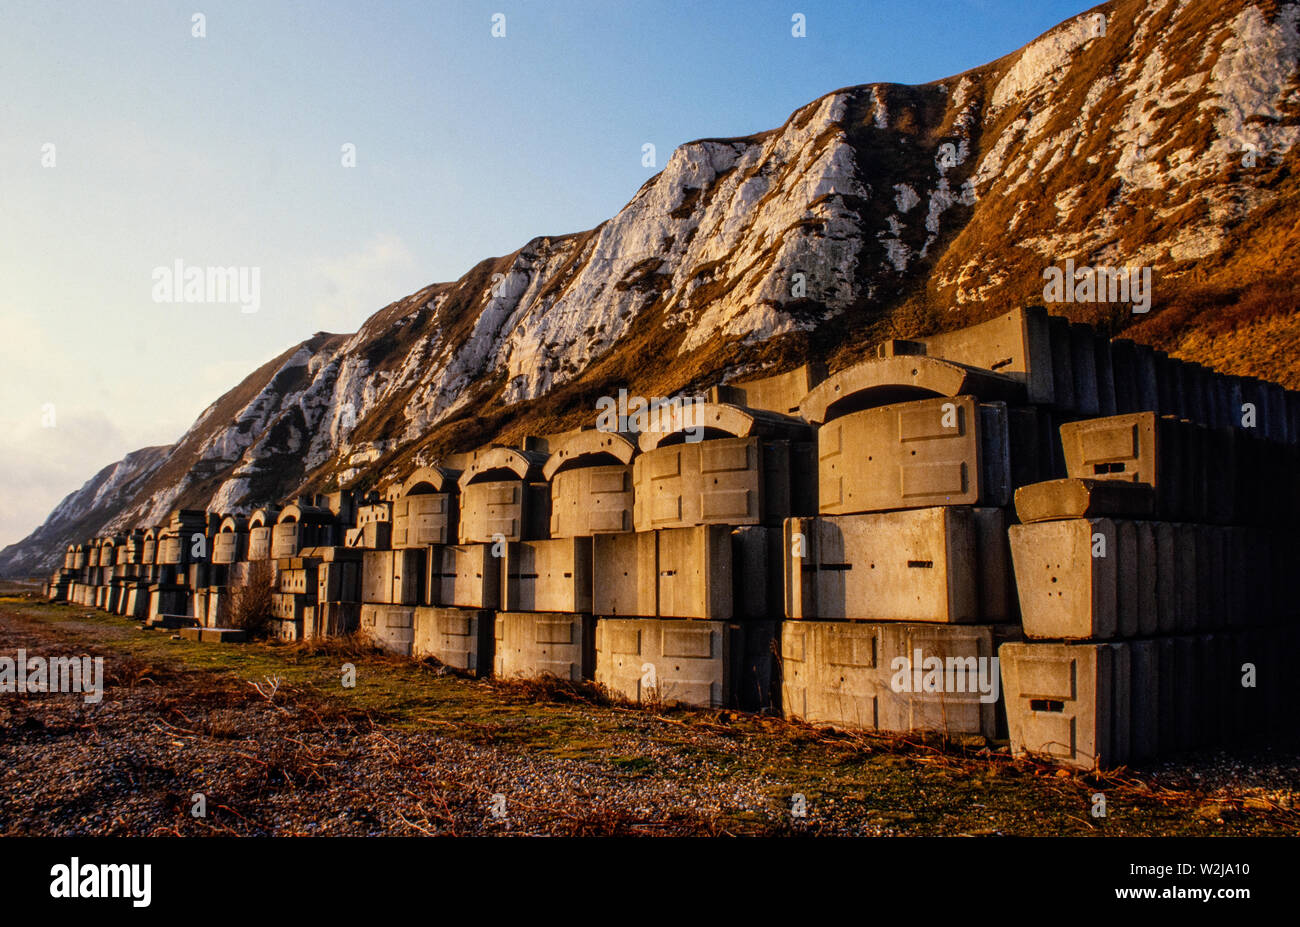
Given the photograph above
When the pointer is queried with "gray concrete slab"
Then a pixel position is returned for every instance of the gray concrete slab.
(1189, 606)
(1211, 695)
(1124, 376)
(625, 574)
(512, 510)
(393, 577)
(724, 481)
(464, 575)
(1062, 363)
(695, 573)
(1030, 456)
(535, 644)
(1016, 344)
(911, 455)
(1083, 363)
(1106, 401)
(757, 576)
(995, 578)
(591, 500)
(1148, 585)
(391, 627)
(1126, 578)
(875, 676)
(548, 576)
(1144, 699)
(1067, 590)
(995, 455)
(1064, 701)
(911, 565)
(461, 638)
(1054, 500)
(1187, 681)
(666, 661)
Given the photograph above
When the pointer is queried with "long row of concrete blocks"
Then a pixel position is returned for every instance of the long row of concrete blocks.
(825, 531)
(1102, 578)
(1147, 636)
(1199, 474)
(1100, 705)
(868, 675)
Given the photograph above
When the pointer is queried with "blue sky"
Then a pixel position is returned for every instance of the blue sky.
(226, 150)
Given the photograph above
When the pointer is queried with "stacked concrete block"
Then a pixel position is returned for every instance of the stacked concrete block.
(461, 638)
(425, 508)
(393, 577)
(1153, 597)
(374, 527)
(300, 525)
(1069, 702)
(338, 573)
(754, 471)
(590, 473)
(895, 676)
(547, 576)
(858, 523)
(503, 496)
(260, 525)
(166, 600)
(390, 627)
(231, 543)
(184, 539)
(918, 453)
(465, 575)
(705, 494)
(671, 573)
(229, 547)
(530, 645)
(318, 592)
(295, 594)
(911, 565)
(914, 455)
(689, 662)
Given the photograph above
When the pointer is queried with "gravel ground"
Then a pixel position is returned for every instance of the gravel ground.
(298, 761)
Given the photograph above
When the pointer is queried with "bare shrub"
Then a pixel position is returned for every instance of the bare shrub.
(250, 603)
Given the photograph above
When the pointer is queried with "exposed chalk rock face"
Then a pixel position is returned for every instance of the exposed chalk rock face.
(82, 513)
(1155, 133)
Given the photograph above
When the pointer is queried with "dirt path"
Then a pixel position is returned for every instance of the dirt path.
(275, 744)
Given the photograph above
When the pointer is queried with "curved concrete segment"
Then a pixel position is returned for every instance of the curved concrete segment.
(487, 465)
(429, 480)
(896, 379)
(263, 517)
(231, 542)
(303, 514)
(588, 447)
(233, 523)
(717, 419)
